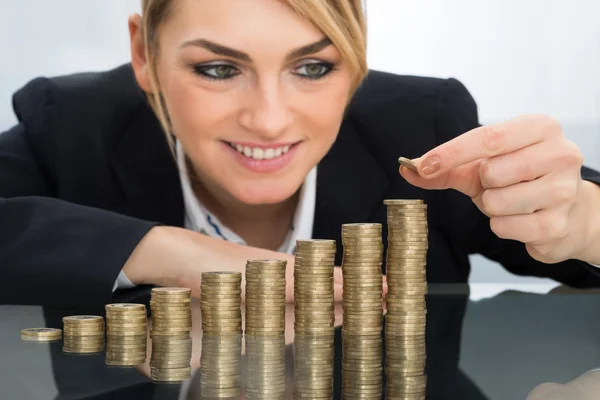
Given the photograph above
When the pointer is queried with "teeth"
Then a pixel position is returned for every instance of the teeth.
(261, 154)
(258, 154)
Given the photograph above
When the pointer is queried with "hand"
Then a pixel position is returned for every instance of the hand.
(523, 174)
(169, 256)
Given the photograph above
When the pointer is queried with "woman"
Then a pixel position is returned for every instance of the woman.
(277, 135)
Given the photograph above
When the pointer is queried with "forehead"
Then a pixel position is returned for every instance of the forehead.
(239, 22)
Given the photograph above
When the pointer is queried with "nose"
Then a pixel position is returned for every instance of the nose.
(267, 113)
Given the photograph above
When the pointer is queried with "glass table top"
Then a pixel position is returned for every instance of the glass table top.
(482, 342)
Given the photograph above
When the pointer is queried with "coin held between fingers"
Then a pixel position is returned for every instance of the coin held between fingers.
(405, 162)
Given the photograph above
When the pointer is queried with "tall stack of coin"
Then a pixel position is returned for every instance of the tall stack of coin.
(314, 318)
(220, 366)
(362, 345)
(83, 334)
(171, 327)
(125, 334)
(221, 303)
(265, 297)
(265, 367)
(406, 262)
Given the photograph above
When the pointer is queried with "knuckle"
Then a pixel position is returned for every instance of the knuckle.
(564, 191)
(497, 227)
(493, 139)
(453, 152)
(553, 227)
(489, 202)
(550, 125)
(571, 155)
(487, 175)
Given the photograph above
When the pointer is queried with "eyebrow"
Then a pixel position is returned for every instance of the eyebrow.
(221, 50)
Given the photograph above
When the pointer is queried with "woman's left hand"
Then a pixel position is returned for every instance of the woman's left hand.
(526, 176)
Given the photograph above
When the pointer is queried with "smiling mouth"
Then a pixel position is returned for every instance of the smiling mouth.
(262, 153)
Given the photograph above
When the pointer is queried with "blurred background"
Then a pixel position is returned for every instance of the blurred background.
(514, 56)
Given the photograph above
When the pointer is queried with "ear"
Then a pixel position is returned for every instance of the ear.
(138, 53)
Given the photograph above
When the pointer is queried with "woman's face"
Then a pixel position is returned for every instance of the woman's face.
(255, 93)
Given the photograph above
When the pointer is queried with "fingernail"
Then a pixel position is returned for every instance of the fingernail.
(430, 166)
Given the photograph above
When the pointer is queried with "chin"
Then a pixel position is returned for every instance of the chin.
(254, 194)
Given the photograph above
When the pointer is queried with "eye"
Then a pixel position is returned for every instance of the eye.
(218, 72)
(314, 70)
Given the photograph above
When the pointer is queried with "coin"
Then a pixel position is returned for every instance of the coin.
(83, 334)
(405, 319)
(41, 334)
(313, 319)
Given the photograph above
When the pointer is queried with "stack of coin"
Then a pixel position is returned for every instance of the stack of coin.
(83, 334)
(221, 303)
(125, 334)
(41, 334)
(406, 262)
(171, 357)
(313, 367)
(220, 366)
(171, 327)
(265, 367)
(314, 318)
(362, 345)
(265, 297)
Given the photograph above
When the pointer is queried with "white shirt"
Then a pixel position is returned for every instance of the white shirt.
(199, 219)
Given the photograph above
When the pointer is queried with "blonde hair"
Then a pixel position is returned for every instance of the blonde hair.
(342, 21)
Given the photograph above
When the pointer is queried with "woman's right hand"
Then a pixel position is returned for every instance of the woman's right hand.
(169, 256)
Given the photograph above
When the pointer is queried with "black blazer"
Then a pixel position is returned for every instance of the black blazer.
(87, 172)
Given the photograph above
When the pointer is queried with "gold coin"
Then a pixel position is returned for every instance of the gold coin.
(125, 307)
(172, 291)
(41, 334)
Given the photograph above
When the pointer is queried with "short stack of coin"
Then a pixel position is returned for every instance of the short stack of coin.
(265, 367)
(221, 301)
(41, 334)
(314, 318)
(83, 334)
(265, 297)
(406, 262)
(220, 366)
(171, 327)
(171, 357)
(362, 348)
(126, 338)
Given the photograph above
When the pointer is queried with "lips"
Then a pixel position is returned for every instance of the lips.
(261, 153)
(263, 159)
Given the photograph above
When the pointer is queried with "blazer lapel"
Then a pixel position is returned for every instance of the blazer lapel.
(147, 172)
(350, 185)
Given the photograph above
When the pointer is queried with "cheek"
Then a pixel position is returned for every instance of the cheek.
(325, 115)
(194, 113)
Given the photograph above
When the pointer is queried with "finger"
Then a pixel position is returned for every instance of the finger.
(338, 284)
(385, 286)
(487, 141)
(528, 197)
(465, 179)
(533, 228)
(528, 163)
